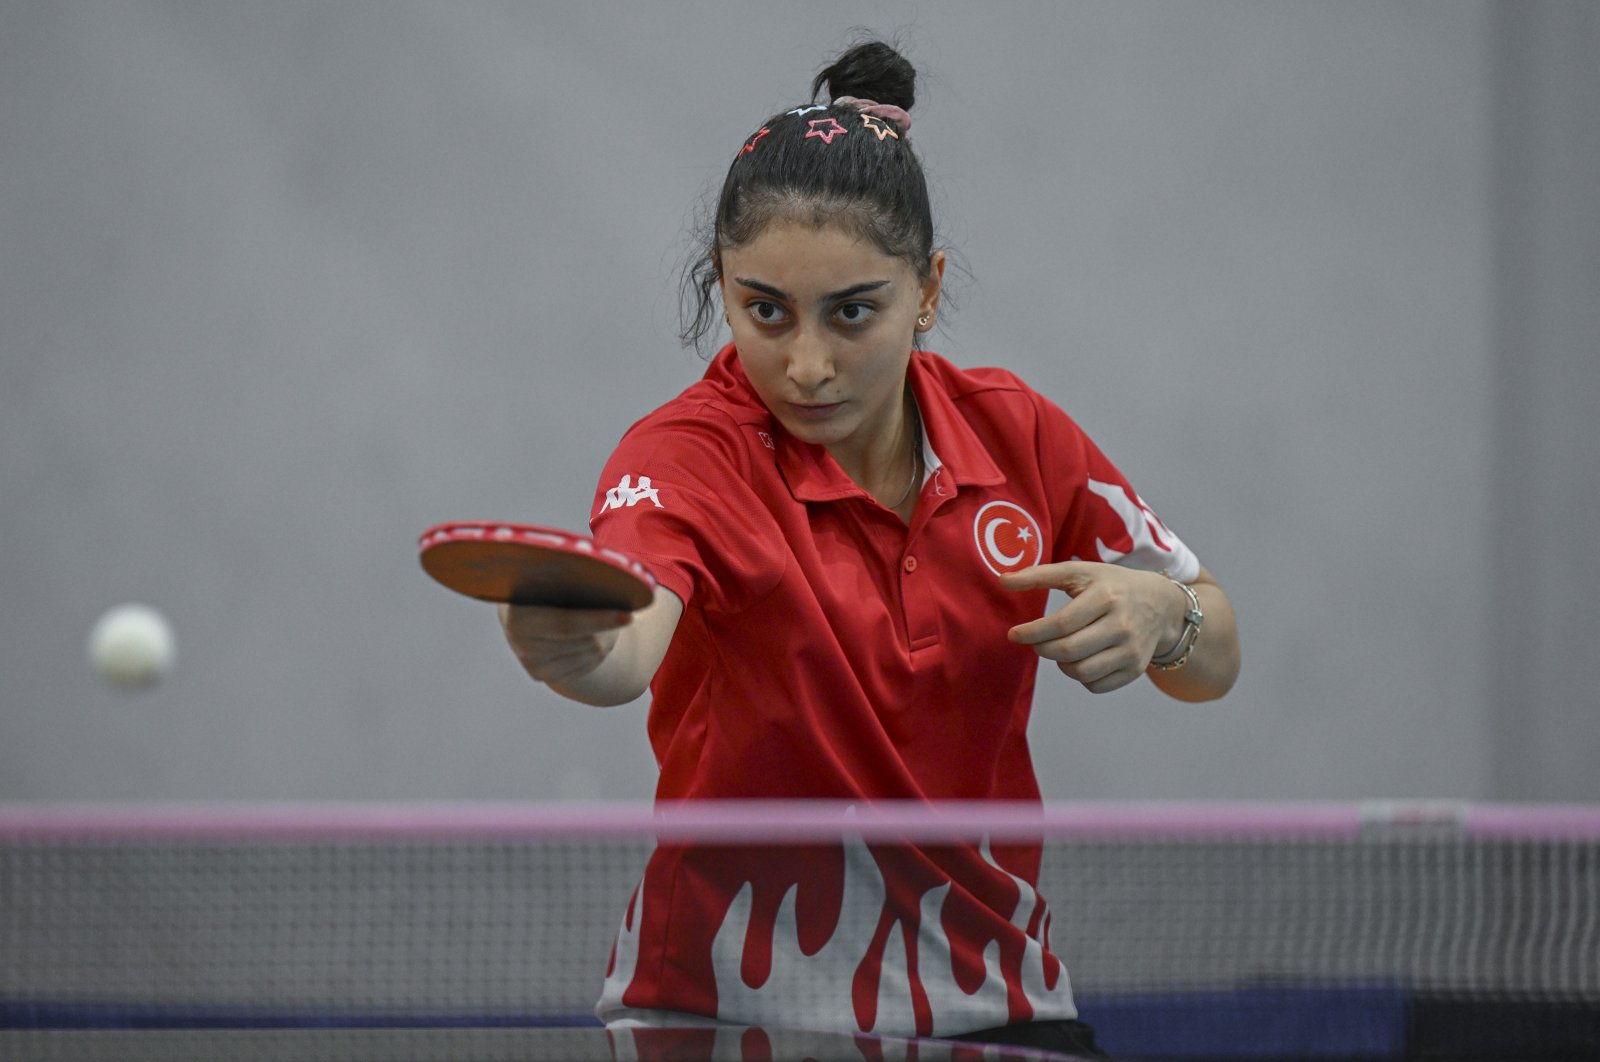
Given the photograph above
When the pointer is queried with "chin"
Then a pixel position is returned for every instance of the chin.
(816, 434)
(833, 429)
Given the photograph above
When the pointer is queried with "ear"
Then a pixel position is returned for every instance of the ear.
(928, 305)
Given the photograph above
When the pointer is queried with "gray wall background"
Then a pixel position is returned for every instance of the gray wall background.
(281, 284)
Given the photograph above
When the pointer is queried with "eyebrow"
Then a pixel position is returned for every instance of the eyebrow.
(843, 293)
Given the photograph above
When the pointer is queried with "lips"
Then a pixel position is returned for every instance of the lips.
(805, 412)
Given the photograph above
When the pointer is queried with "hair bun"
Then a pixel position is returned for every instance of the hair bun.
(872, 71)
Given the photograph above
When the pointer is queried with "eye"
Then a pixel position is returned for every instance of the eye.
(855, 313)
(765, 312)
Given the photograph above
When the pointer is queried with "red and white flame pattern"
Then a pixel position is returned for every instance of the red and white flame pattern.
(1143, 539)
(909, 972)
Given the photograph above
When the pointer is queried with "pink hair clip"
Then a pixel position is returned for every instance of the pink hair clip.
(895, 114)
(825, 129)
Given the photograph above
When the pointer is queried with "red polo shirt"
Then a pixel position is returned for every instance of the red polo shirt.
(828, 650)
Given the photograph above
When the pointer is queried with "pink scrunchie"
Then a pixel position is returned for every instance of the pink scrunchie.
(882, 110)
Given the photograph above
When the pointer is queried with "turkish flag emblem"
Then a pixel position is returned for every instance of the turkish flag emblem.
(1008, 538)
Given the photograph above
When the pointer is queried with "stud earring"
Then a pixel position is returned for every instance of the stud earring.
(922, 322)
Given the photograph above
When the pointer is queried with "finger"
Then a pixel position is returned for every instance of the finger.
(564, 660)
(1038, 632)
(1102, 672)
(566, 668)
(1074, 616)
(1081, 645)
(1070, 576)
(553, 653)
(539, 621)
(557, 673)
(1114, 681)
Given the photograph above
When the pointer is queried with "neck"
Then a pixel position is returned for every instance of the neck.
(915, 480)
(892, 472)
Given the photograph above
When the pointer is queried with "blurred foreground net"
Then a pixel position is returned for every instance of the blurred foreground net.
(1188, 930)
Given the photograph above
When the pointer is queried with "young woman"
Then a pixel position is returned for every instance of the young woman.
(855, 541)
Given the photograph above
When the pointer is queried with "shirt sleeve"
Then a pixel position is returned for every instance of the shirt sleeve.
(1104, 519)
(676, 495)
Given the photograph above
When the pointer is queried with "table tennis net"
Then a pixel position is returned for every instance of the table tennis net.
(1467, 917)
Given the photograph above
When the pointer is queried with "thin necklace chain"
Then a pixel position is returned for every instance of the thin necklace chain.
(916, 457)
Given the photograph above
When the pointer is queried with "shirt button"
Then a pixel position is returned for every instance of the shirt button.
(911, 564)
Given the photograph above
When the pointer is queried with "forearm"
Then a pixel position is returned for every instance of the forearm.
(1213, 665)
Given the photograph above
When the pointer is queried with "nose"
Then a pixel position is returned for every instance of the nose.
(810, 362)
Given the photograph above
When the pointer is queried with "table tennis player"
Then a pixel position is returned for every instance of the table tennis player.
(855, 542)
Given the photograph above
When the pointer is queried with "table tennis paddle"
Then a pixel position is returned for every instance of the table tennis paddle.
(522, 565)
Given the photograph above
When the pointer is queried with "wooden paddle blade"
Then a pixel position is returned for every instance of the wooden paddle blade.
(521, 565)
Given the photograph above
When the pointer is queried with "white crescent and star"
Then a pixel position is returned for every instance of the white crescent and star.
(1023, 535)
(990, 530)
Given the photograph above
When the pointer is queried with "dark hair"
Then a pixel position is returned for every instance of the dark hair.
(866, 180)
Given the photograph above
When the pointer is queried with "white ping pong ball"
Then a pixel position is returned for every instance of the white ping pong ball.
(132, 647)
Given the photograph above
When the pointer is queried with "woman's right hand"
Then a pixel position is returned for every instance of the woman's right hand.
(593, 656)
(558, 645)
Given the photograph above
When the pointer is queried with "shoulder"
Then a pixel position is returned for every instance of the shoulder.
(960, 383)
(990, 394)
(714, 439)
(716, 415)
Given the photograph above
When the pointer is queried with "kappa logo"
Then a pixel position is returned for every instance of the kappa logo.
(625, 495)
(1008, 537)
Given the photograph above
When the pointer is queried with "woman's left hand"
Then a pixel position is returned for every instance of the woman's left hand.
(1117, 621)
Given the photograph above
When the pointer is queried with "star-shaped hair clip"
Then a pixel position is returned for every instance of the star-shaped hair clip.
(750, 145)
(825, 129)
(879, 126)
